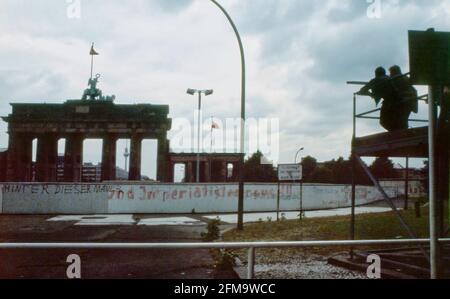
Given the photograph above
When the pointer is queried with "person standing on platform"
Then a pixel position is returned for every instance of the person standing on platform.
(381, 88)
(408, 96)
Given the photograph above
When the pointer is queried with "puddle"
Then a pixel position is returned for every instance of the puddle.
(170, 221)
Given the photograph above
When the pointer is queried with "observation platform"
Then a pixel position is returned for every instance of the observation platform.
(412, 143)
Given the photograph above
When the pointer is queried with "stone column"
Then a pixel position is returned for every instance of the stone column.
(19, 161)
(11, 160)
(46, 158)
(189, 172)
(73, 158)
(109, 158)
(207, 171)
(169, 176)
(163, 152)
(135, 158)
(52, 158)
(235, 171)
(224, 171)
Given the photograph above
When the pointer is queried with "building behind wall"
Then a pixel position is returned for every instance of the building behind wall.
(214, 167)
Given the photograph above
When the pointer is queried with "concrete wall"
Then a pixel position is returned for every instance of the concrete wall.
(416, 188)
(32, 198)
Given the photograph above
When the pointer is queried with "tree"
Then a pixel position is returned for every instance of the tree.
(341, 171)
(322, 175)
(309, 164)
(383, 168)
(256, 172)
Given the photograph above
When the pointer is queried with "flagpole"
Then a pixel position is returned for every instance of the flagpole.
(212, 124)
(92, 53)
(92, 65)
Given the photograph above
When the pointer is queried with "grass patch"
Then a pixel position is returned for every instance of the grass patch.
(368, 226)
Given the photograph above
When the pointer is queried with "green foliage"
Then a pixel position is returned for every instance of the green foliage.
(330, 172)
(340, 171)
(322, 175)
(383, 168)
(309, 165)
(256, 172)
(213, 231)
(225, 260)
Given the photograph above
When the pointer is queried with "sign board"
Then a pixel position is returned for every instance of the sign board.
(290, 172)
(429, 57)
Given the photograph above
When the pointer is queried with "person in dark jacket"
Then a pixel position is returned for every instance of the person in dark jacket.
(408, 96)
(381, 88)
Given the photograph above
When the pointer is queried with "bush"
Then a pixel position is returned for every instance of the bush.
(213, 231)
(226, 260)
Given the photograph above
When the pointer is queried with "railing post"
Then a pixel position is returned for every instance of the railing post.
(251, 263)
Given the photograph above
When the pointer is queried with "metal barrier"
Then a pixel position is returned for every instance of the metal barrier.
(251, 246)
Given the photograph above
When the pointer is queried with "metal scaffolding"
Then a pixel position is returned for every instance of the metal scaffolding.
(411, 143)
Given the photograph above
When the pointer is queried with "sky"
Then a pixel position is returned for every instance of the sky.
(299, 55)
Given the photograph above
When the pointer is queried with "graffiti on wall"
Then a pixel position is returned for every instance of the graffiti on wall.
(175, 198)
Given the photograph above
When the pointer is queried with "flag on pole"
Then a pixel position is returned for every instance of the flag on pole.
(214, 125)
(93, 52)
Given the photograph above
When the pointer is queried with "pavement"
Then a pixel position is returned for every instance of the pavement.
(123, 263)
(102, 264)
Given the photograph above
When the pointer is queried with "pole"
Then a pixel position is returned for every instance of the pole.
(211, 134)
(240, 224)
(301, 184)
(301, 199)
(407, 184)
(353, 165)
(199, 132)
(126, 155)
(92, 65)
(251, 263)
(278, 201)
(432, 188)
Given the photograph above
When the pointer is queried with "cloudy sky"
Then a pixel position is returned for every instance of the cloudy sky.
(299, 55)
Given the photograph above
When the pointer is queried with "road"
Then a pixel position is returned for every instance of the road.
(100, 264)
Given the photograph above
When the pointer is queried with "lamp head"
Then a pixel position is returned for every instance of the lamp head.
(191, 91)
(209, 92)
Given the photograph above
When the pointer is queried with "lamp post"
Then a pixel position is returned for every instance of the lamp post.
(126, 154)
(206, 92)
(298, 152)
(301, 184)
(240, 224)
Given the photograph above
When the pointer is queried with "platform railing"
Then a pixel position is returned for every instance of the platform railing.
(366, 115)
(251, 246)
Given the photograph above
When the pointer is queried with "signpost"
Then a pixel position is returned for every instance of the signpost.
(429, 57)
(290, 172)
(429, 60)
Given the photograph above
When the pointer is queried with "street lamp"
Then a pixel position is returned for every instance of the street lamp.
(298, 152)
(240, 224)
(301, 184)
(192, 92)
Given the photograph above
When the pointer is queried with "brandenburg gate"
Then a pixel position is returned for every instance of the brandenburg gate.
(93, 116)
